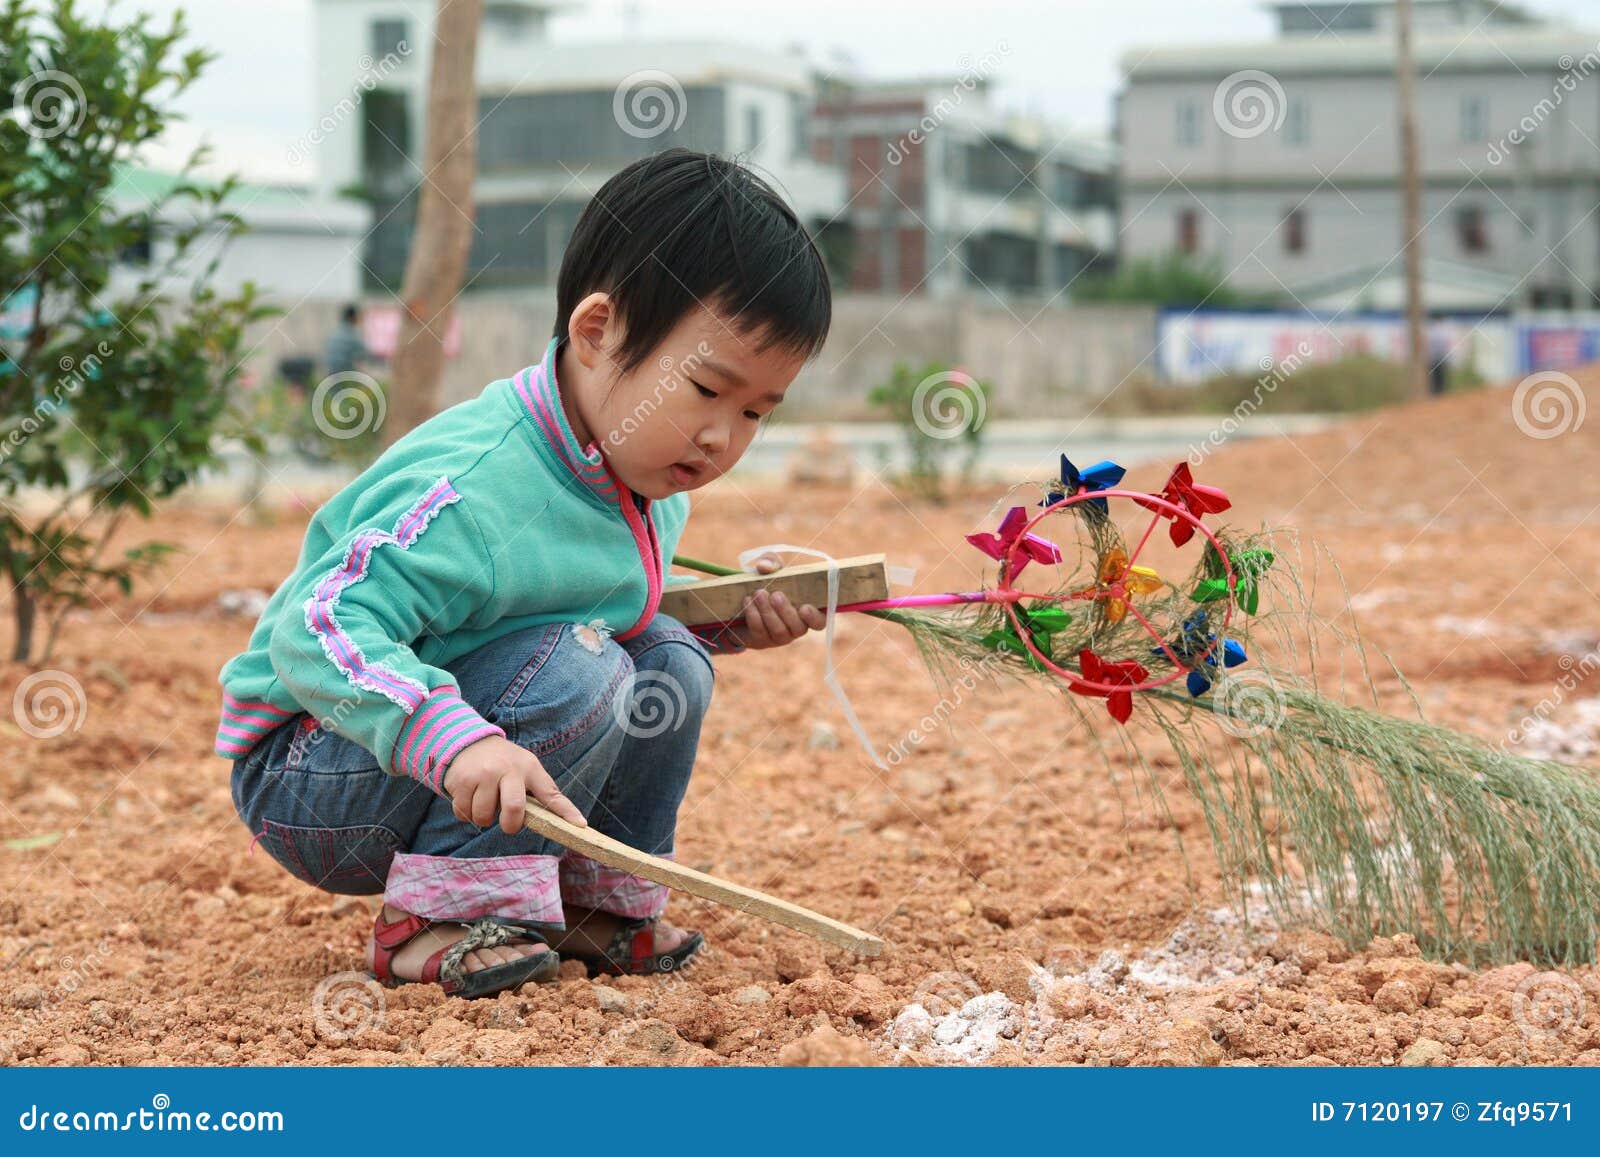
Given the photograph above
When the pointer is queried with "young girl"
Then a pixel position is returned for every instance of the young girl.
(473, 620)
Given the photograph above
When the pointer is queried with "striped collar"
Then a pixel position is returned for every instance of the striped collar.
(537, 388)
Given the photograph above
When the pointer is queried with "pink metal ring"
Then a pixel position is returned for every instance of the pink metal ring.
(1149, 501)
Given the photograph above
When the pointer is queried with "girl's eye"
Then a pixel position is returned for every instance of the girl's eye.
(752, 415)
(704, 393)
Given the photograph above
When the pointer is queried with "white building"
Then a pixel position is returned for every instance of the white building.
(991, 204)
(298, 243)
(1281, 159)
(555, 120)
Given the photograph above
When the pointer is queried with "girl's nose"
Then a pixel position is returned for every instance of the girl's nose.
(712, 440)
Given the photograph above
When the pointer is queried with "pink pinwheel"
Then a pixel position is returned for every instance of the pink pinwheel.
(1183, 491)
(998, 545)
(1124, 674)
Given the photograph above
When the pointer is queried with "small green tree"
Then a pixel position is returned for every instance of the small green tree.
(113, 396)
(940, 410)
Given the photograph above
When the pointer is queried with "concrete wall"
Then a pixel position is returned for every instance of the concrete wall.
(1052, 360)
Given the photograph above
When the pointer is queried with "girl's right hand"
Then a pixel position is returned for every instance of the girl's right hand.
(495, 774)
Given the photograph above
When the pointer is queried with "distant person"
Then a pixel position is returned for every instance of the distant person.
(466, 617)
(345, 351)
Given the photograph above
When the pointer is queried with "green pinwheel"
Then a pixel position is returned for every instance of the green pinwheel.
(1043, 624)
(1248, 567)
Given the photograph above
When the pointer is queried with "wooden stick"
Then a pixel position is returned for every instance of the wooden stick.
(862, 579)
(614, 854)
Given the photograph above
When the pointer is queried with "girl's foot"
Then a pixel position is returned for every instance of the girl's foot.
(620, 945)
(407, 954)
(590, 932)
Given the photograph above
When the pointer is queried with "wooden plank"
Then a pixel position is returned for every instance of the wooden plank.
(614, 854)
(720, 600)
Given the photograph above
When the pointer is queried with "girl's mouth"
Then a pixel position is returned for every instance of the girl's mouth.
(683, 474)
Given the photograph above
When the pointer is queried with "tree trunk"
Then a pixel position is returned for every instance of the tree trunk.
(437, 262)
(24, 611)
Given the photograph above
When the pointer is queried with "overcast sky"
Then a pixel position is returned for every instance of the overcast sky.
(1061, 57)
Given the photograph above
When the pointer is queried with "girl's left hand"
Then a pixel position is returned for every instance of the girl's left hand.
(770, 619)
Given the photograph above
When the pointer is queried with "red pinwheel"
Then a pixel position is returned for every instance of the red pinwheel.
(1123, 674)
(999, 545)
(1183, 491)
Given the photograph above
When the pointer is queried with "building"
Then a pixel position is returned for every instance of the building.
(1281, 159)
(554, 122)
(946, 196)
(912, 187)
(296, 243)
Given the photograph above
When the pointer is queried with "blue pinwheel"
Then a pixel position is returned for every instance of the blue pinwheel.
(1101, 476)
(1195, 640)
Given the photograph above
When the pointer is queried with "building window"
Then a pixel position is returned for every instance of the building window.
(1294, 231)
(1472, 229)
(752, 127)
(1188, 230)
(1188, 123)
(1297, 122)
(388, 36)
(1474, 119)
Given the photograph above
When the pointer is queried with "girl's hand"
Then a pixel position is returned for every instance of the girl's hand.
(770, 619)
(495, 775)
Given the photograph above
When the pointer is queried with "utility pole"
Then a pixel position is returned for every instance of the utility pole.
(1411, 204)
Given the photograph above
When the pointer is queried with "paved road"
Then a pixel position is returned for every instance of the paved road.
(1013, 450)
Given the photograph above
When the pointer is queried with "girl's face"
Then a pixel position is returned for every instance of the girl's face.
(687, 413)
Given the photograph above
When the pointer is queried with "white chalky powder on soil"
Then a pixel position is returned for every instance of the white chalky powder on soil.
(968, 1035)
(1205, 949)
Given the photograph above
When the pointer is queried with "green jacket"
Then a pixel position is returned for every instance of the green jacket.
(486, 519)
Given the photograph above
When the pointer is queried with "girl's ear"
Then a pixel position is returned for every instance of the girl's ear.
(591, 330)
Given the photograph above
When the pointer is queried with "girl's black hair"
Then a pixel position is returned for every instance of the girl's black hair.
(680, 228)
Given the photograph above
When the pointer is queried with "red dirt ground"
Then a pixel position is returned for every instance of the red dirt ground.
(1035, 913)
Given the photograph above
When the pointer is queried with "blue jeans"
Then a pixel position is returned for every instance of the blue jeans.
(615, 724)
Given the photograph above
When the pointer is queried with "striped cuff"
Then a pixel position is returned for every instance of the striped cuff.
(718, 639)
(592, 885)
(435, 734)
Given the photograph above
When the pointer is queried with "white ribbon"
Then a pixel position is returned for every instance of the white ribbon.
(747, 560)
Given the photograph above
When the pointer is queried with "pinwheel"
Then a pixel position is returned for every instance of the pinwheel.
(1197, 649)
(1117, 680)
(1101, 476)
(1042, 623)
(999, 545)
(1248, 566)
(1184, 493)
(1117, 582)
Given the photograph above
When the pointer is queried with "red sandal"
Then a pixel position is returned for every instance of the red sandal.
(445, 966)
(632, 952)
